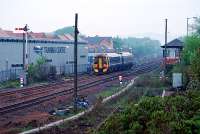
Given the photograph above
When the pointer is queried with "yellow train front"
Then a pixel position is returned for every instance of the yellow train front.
(100, 65)
(111, 62)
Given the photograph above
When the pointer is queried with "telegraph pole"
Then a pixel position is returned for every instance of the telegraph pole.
(187, 26)
(165, 51)
(75, 61)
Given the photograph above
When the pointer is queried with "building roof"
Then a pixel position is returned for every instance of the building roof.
(176, 43)
(6, 35)
(37, 35)
(12, 39)
(3, 33)
(96, 39)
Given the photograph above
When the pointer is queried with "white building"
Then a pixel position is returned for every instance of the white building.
(57, 52)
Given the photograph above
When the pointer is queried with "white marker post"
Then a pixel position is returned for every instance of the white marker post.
(120, 80)
(21, 81)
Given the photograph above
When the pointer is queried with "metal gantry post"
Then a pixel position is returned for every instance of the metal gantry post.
(75, 61)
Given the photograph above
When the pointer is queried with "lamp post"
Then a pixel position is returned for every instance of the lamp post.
(188, 23)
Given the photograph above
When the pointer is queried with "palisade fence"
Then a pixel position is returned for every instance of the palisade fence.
(13, 74)
(10, 74)
(69, 69)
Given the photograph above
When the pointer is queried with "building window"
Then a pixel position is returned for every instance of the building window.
(54, 49)
(48, 60)
(16, 65)
(82, 56)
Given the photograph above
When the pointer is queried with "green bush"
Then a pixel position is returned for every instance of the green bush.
(147, 80)
(174, 114)
(191, 56)
(10, 84)
(40, 71)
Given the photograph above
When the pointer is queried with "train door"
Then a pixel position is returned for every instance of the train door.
(107, 61)
(100, 62)
(95, 65)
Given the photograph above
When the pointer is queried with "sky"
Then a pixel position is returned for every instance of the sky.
(101, 17)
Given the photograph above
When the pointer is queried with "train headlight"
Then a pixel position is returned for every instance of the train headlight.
(105, 65)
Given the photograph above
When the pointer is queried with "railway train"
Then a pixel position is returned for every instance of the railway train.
(110, 62)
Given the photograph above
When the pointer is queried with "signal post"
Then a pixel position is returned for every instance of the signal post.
(25, 51)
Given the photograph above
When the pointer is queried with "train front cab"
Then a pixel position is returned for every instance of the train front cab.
(100, 65)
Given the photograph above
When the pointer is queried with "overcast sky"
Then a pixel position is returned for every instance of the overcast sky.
(100, 17)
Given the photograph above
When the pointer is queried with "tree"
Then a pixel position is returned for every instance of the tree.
(195, 66)
(117, 43)
(39, 71)
(65, 30)
(191, 59)
(192, 44)
(196, 25)
(142, 47)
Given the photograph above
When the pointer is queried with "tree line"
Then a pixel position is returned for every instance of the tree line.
(141, 47)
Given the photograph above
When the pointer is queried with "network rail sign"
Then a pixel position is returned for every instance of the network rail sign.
(39, 49)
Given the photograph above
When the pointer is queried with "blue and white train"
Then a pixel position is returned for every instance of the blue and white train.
(110, 62)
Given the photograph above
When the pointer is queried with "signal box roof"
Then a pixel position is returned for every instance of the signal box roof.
(176, 43)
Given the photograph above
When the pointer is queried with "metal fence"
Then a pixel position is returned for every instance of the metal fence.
(10, 74)
(13, 74)
(69, 69)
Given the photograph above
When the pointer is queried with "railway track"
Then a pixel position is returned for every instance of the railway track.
(45, 97)
(30, 93)
(23, 94)
(28, 89)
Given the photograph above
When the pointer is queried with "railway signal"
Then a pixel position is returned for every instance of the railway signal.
(25, 48)
(25, 42)
(25, 28)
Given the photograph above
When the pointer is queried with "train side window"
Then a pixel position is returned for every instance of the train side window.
(115, 60)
